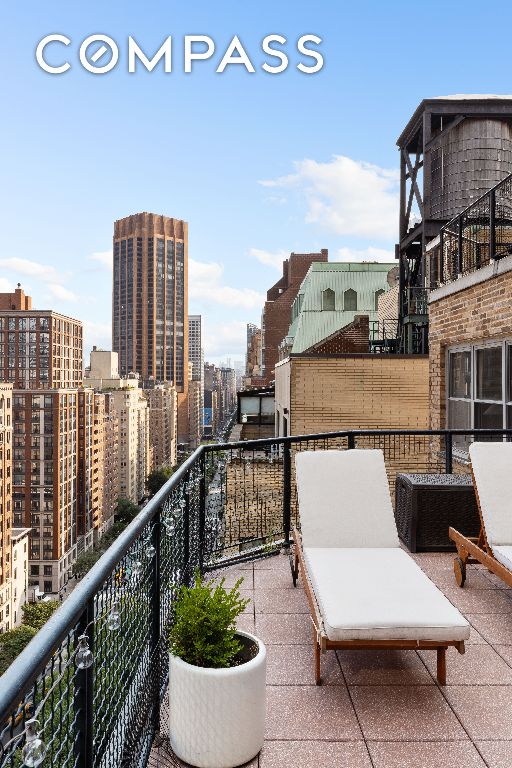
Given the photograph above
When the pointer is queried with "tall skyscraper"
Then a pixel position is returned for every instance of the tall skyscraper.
(195, 346)
(196, 357)
(150, 298)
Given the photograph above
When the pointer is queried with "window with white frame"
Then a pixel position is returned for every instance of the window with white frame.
(479, 385)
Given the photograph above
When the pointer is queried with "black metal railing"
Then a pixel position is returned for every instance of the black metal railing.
(383, 335)
(415, 301)
(227, 503)
(479, 235)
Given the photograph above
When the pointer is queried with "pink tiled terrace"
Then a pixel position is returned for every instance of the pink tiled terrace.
(382, 709)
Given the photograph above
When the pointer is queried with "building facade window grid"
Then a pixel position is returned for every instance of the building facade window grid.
(479, 387)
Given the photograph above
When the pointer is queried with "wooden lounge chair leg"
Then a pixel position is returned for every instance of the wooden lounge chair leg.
(441, 666)
(459, 565)
(295, 566)
(294, 556)
(318, 677)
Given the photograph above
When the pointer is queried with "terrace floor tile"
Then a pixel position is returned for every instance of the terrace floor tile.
(231, 576)
(485, 711)
(315, 754)
(479, 665)
(245, 622)
(273, 563)
(294, 665)
(281, 601)
(405, 713)
(311, 712)
(497, 754)
(391, 667)
(284, 628)
(424, 754)
(479, 600)
(495, 629)
(279, 579)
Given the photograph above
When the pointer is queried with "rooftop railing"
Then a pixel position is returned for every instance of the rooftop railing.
(479, 235)
(95, 675)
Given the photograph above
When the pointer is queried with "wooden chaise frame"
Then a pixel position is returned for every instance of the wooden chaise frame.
(471, 550)
(322, 642)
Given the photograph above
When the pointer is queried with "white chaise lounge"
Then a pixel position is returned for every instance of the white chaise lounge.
(491, 466)
(363, 590)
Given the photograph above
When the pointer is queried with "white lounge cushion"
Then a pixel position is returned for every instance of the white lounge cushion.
(503, 555)
(379, 594)
(344, 499)
(492, 469)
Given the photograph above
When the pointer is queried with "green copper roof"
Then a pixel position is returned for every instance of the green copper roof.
(310, 323)
(349, 266)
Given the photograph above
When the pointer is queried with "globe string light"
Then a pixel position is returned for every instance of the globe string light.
(84, 658)
(34, 750)
(114, 618)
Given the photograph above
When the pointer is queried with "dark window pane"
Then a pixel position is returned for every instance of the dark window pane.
(350, 300)
(488, 373)
(509, 372)
(459, 417)
(488, 416)
(460, 374)
(328, 300)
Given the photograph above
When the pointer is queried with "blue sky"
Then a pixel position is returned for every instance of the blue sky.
(81, 150)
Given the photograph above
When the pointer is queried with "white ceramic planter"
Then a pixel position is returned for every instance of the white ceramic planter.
(217, 716)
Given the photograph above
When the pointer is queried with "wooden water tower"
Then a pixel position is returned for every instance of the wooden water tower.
(452, 150)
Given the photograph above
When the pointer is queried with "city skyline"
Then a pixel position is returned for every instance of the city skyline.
(280, 164)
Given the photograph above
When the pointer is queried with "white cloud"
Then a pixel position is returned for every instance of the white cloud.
(272, 259)
(225, 339)
(205, 285)
(6, 286)
(59, 292)
(97, 334)
(102, 257)
(366, 254)
(42, 272)
(345, 196)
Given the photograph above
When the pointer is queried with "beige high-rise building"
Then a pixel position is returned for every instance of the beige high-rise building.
(109, 422)
(103, 461)
(163, 424)
(196, 357)
(13, 541)
(19, 573)
(5, 504)
(132, 411)
(195, 420)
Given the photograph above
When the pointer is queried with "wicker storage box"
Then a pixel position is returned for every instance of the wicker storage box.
(427, 505)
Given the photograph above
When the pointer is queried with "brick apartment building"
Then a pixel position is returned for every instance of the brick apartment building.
(471, 351)
(275, 318)
(41, 356)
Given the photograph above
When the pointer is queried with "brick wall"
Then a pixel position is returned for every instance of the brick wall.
(476, 313)
(329, 394)
(277, 309)
(351, 339)
(388, 304)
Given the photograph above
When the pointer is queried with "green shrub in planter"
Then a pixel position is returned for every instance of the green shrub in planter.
(204, 627)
